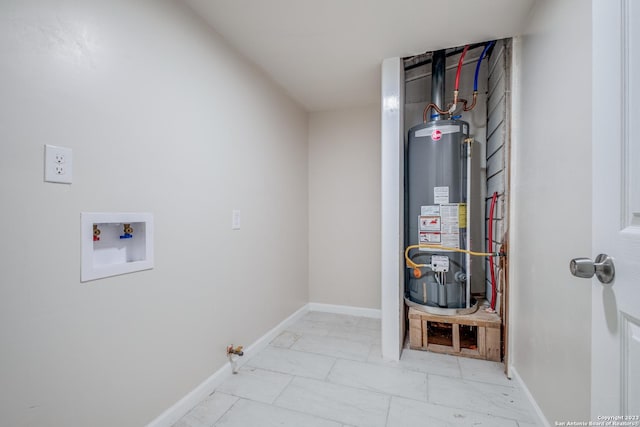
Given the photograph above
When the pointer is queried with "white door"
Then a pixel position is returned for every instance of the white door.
(615, 372)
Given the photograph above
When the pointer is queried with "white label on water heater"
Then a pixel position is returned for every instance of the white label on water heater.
(450, 218)
(430, 210)
(439, 263)
(451, 240)
(440, 195)
(450, 227)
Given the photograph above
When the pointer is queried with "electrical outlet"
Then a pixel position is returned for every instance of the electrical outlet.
(58, 164)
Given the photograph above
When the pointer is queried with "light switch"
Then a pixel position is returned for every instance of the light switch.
(235, 220)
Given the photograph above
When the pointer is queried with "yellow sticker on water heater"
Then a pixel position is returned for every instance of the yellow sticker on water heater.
(462, 215)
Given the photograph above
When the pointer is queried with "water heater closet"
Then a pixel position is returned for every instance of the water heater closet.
(445, 190)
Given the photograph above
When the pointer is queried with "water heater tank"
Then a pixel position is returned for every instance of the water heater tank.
(436, 212)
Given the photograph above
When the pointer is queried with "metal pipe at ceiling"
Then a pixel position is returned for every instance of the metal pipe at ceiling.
(438, 68)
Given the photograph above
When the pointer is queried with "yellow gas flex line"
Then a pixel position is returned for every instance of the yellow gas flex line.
(412, 264)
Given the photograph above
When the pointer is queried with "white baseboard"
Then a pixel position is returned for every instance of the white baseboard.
(195, 396)
(188, 402)
(346, 309)
(541, 418)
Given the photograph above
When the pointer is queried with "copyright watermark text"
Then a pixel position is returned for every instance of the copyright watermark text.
(607, 421)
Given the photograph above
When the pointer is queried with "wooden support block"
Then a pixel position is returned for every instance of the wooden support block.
(455, 330)
(415, 333)
(425, 333)
(493, 344)
(482, 348)
(486, 326)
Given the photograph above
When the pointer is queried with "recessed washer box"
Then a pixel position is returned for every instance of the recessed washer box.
(115, 243)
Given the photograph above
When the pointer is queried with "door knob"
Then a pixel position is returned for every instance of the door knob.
(602, 267)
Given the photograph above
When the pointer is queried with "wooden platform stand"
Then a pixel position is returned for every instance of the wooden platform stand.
(474, 335)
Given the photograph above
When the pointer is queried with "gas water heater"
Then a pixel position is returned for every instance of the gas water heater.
(438, 209)
(436, 187)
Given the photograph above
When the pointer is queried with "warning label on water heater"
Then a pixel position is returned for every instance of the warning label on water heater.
(462, 215)
(430, 223)
(440, 224)
(429, 229)
(427, 238)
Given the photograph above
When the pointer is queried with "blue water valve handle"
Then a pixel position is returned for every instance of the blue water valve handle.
(459, 116)
(126, 236)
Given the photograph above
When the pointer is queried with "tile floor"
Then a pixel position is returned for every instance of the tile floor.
(326, 371)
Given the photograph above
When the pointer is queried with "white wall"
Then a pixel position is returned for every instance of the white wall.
(162, 117)
(344, 207)
(551, 208)
(391, 207)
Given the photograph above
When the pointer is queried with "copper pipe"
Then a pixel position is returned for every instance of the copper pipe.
(435, 107)
(464, 104)
(473, 104)
(450, 113)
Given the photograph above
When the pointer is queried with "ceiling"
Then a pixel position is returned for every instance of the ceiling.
(326, 54)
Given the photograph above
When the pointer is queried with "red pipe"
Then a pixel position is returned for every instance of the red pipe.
(464, 52)
(494, 290)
